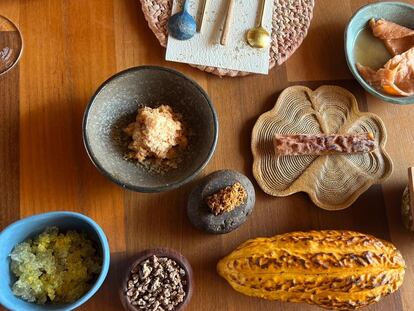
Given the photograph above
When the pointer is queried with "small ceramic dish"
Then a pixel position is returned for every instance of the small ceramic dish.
(200, 215)
(400, 13)
(115, 105)
(333, 182)
(31, 226)
(159, 252)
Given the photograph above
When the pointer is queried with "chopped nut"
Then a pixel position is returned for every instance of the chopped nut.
(145, 271)
(141, 302)
(136, 295)
(157, 284)
(227, 199)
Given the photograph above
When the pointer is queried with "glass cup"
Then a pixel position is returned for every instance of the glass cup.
(11, 44)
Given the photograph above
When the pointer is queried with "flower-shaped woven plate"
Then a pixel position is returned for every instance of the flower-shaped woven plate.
(333, 182)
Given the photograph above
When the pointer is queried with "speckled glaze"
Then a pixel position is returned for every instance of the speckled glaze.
(199, 213)
(182, 25)
(115, 105)
(397, 12)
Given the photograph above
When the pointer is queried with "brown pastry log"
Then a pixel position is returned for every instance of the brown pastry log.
(322, 144)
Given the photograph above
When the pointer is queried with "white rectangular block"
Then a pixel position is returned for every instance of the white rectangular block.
(205, 49)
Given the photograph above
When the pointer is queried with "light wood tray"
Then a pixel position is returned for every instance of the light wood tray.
(333, 182)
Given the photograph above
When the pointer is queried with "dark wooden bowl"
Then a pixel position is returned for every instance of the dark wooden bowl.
(159, 252)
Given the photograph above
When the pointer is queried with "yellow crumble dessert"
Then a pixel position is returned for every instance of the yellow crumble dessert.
(157, 133)
(54, 267)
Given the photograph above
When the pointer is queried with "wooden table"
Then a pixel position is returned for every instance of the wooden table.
(72, 46)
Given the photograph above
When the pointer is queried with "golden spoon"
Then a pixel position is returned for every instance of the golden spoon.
(259, 37)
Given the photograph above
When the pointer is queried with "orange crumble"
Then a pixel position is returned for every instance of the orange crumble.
(227, 199)
(157, 133)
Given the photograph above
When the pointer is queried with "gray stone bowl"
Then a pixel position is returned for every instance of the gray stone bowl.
(115, 105)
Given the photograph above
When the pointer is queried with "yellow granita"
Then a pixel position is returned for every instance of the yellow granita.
(54, 267)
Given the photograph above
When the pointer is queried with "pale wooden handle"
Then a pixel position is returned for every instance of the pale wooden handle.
(411, 188)
(229, 17)
(203, 12)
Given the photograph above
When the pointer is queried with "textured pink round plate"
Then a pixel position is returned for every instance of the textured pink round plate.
(291, 20)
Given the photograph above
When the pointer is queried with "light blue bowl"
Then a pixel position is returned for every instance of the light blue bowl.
(34, 225)
(397, 12)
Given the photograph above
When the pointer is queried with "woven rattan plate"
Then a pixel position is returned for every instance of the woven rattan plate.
(333, 182)
(291, 20)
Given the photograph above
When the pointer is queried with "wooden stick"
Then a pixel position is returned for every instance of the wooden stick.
(227, 23)
(203, 13)
(411, 188)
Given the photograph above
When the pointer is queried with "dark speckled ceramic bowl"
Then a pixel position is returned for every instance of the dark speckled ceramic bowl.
(115, 105)
(160, 252)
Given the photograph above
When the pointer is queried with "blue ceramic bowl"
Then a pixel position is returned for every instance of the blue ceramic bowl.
(400, 13)
(34, 225)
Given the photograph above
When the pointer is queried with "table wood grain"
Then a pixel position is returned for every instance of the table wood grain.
(72, 46)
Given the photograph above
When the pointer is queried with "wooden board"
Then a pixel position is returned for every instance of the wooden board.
(71, 47)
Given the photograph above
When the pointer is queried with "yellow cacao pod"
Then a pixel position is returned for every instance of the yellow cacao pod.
(336, 270)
